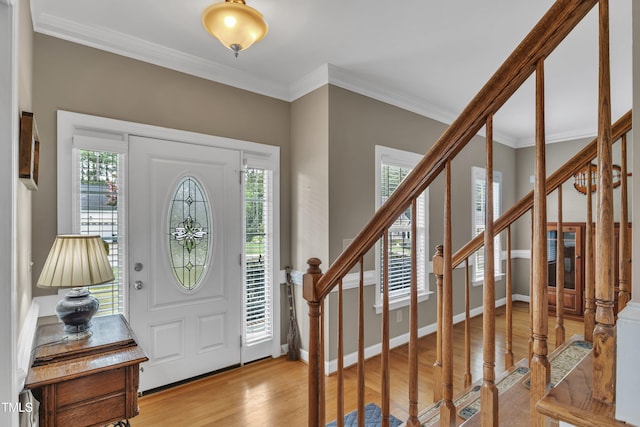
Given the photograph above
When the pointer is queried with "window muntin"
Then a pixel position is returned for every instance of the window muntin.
(478, 185)
(189, 238)
(392, 166)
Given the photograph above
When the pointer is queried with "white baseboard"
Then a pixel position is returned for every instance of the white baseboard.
(352, 358)
(25, 343)
(521, 297)
(331, 366)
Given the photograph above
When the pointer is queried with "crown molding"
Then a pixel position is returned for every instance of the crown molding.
(309, 82)
(142, 50)
(372, 89)
(558, 137)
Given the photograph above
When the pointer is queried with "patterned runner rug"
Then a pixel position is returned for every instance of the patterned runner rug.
(561, 364)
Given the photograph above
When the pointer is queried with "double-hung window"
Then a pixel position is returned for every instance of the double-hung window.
(479, 195)
(392, 166)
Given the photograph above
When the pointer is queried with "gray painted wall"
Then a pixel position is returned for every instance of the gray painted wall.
(573, 203)
(357, 124)
(81, 79)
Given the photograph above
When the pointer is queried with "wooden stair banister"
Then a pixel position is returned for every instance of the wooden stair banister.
(489, 390)
(508, 351)
(413, 326)
(604, 368)
(624, 266)
(560, 274)
(589, 268)
(467, 326)
(438, 271)
(552, 28)
(447, 409)
(524, 205)
(539, 364)
(526, 59)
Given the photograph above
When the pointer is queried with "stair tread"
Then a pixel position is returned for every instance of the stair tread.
(513, 407)
(571, 400)
(514, 401)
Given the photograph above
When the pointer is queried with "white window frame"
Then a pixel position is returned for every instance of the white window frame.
(405, 159)
(270, 163)
(97, 142)
(479, 174)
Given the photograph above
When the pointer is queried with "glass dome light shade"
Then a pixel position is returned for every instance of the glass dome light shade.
(235, 24)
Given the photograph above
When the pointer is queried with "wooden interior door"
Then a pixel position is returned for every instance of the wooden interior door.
(571, 257)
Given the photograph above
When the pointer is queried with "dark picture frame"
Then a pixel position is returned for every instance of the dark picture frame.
(29, 151)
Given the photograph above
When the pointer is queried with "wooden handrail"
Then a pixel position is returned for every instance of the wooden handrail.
(554, 26)
(566, 171)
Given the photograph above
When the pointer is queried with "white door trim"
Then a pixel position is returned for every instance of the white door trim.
(9, 121)
(70, 124)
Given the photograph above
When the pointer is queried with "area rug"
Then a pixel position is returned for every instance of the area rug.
(372, 418)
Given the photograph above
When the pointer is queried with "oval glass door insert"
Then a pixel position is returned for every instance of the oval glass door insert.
(189, 233)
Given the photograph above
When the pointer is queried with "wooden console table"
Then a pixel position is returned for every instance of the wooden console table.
(88, 382)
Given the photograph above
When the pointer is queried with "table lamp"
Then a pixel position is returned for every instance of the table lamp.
(76, 261)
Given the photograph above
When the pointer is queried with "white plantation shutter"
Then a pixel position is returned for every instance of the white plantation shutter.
(391, 169)
(98, 208)
(479, 194)
(258, 254)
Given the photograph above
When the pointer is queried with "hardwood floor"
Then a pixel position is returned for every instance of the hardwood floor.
(274, 392)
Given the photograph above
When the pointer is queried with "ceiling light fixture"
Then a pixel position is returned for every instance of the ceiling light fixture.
(235, 24)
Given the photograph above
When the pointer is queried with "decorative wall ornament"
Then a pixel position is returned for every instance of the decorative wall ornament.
(580, 182)
(29, 151)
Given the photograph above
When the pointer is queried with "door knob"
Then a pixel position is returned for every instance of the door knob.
(138, 266)
(138, 284)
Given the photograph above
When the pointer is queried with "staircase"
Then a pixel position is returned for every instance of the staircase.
(487, 398)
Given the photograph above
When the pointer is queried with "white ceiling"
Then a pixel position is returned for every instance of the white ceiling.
(427, 56)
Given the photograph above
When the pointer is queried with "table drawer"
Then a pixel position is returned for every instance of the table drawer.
(90, 387)
(97, 412)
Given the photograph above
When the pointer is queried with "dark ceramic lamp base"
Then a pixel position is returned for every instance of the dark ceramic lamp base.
(75, 310)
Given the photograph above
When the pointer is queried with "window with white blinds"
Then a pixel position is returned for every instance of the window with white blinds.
(98, 209)
(479, 195)
(392, 166)
(258, 255)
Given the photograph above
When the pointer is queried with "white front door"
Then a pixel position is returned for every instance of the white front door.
(185, 251)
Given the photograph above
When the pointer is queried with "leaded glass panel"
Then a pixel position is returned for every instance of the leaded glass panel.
(189, 233)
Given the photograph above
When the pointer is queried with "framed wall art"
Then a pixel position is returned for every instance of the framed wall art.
(29, 151)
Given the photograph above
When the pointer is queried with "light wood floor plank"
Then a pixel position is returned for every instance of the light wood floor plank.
(274, 392)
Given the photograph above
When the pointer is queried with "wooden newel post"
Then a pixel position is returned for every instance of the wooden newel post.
(316, 363)
(438, 271)
(604, 334)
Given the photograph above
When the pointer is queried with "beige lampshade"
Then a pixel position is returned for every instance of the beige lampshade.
(235, 24)
(75, 261)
